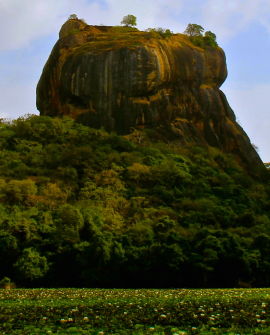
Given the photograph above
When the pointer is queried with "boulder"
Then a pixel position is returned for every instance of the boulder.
(121, 79)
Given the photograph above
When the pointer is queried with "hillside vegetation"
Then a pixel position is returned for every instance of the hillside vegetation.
(83, 208)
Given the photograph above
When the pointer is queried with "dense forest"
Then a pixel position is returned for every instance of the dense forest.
(80, 207)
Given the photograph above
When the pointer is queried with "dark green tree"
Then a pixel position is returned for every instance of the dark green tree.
(69, 222)
(31, 265)
(73, 17)
(210, 34)
(210, 38)
(193, 30)
(129, 20)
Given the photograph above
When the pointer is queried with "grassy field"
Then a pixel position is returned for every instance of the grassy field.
(130, 311)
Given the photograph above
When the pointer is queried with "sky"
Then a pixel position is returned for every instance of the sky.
(30, 29)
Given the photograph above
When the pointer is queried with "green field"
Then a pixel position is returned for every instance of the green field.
(129, 311)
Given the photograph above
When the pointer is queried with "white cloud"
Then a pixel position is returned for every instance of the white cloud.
(251, 106)
(228, 17)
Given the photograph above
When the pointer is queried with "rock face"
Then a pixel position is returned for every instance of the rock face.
(121, 80)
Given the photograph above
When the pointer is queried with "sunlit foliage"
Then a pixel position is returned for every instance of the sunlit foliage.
(83, 208)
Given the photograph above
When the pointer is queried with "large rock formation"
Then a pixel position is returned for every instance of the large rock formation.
(133, 79)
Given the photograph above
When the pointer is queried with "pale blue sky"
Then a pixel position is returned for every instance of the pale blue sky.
(30, 29)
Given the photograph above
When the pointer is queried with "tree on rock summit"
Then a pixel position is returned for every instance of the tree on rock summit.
(193, 30)
(211, 35)
(129, 20)
(73, 17)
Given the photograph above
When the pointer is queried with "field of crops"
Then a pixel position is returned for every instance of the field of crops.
(141, 311)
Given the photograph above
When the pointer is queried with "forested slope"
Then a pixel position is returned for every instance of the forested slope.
(83, 208)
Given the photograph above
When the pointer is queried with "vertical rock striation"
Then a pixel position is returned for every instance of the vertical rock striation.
(122, 80)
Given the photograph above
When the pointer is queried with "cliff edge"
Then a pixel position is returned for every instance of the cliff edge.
(132, 79)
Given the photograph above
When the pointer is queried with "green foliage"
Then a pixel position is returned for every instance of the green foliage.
(204, 42)
(211, 35)
(79, 206)
(18, 191)
(129, 20)
(68, 223)
(198, 41)
(73, 17)
(210, 39)
(158, 33)
(73, 31)
(5, 281)
(193, 30)
(31, 265)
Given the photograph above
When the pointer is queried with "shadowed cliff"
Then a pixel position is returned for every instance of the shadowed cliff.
(132, 79)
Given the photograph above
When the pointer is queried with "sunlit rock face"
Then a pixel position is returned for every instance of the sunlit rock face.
(126, 80)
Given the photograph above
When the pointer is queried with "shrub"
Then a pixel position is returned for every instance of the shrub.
(5, 282)
(31, 265)
(211, 35)
(210, 39)
(194, 31)
(73, 17)
(73, 31)
(151, 33)
(159, 33)
(198, 41)
(168, 33)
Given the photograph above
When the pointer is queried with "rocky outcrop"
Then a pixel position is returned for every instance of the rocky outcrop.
(116, 80)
